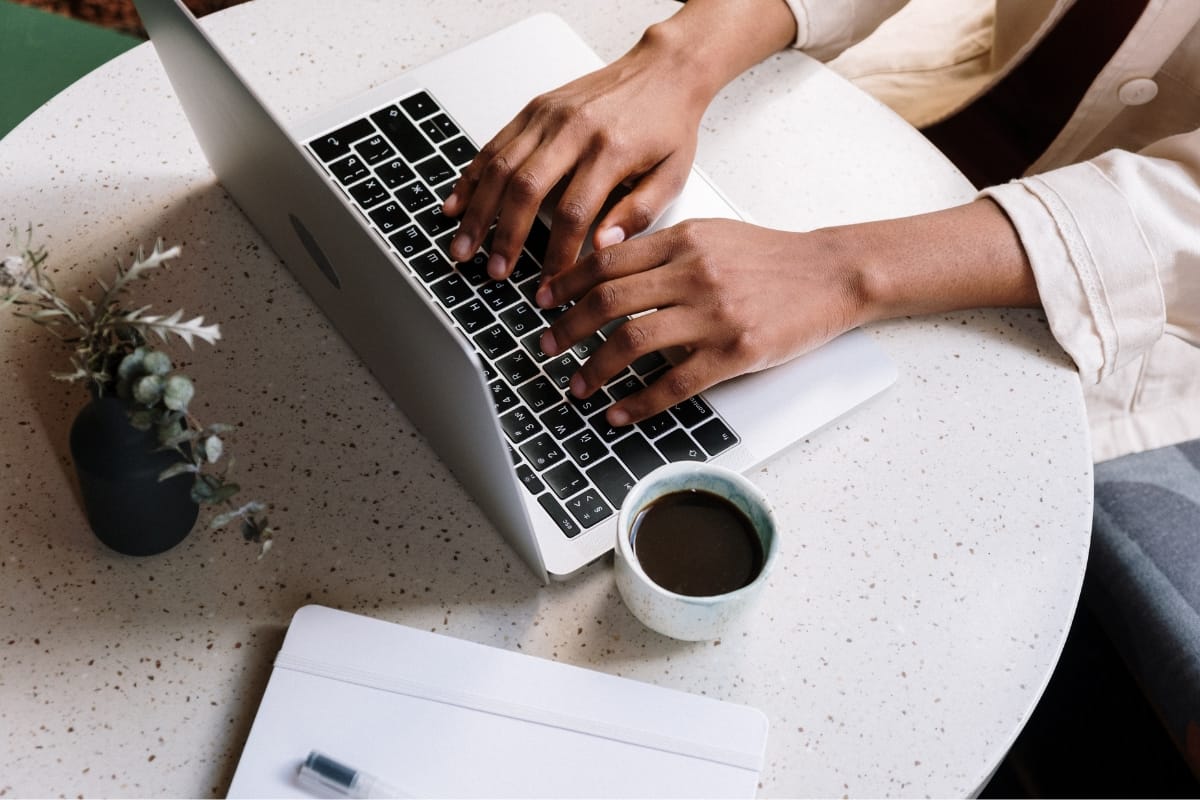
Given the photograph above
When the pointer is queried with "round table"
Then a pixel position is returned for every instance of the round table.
(935, 538)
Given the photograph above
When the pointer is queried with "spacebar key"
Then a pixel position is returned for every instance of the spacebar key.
(560, 516)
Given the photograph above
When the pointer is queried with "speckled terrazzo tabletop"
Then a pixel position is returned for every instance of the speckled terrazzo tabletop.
(935, 539)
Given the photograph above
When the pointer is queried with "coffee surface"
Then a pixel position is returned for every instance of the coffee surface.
(696, 543)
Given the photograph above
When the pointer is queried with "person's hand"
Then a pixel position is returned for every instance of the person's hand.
(632, 123)
(736, 297)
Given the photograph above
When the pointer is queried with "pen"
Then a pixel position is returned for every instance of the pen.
(321, 771)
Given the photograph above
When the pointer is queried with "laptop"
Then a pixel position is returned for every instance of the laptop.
(349, 200)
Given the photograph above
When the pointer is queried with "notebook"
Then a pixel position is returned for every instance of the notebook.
(434, 716)
(348, 200)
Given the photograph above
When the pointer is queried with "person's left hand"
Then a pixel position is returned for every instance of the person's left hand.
(736, 297)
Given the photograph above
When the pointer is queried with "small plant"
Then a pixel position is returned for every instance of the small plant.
(109, 349)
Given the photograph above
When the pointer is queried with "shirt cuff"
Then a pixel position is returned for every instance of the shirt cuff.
(1095, 272)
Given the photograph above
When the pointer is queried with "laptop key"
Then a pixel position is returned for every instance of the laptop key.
(561, 368)
(525, 269)
(473, 316)
(415, 196)
(542, 452)
(715, 437)
(612, 479)
(692, 412)
(419, 106)
(562, 420)
(411, 143)
(561, 518)
(498, 294)
(517, 366)
(564, 480)
(520, 425)
(538, 240)
(453, 290)
(475, 270)
(374, 149)
(349, 170)
(389, 218)
(607, 432)
(590, 405)
(586, 448)
(495, 341)
(395, 173)
(439, 128)
(521, 319)
(435, 223)
(409, 241)
(430, 265)
(648, 363)
(637, 454)
(623, 387)
(585, 348)
(460, 151)
(435, 170)
(338, 143)
(678, 446)
(533, 343)
(530, 480)
(369, 193)
(657, 425)
(589, 508)
(502, 397)
(540, 393)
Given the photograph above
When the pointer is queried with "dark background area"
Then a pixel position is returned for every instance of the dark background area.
(1092, 735)
(117, 15)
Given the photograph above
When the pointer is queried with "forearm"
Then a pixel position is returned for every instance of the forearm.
(968, 256)
(711, 42)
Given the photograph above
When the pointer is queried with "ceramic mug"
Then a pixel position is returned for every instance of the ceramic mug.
(683, 616)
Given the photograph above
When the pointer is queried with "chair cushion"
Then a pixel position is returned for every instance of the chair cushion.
(1143, 580)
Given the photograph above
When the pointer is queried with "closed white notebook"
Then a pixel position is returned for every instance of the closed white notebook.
(435, 716)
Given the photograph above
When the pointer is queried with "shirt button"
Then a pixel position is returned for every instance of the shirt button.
(1137, 92)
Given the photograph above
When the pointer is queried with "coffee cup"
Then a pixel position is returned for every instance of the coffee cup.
(695, 543)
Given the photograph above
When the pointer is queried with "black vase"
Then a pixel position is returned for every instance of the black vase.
(118, 466)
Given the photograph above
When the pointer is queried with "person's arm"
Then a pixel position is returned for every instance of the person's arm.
(633, 122)
(738, 298)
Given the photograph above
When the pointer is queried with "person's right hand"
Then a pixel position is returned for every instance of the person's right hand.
(632, 123)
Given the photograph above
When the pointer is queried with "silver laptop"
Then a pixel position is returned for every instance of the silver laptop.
(350, 201)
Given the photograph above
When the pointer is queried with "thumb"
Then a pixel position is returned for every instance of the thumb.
(644, 204)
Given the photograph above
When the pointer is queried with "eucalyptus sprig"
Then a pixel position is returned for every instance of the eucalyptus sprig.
(109, 349)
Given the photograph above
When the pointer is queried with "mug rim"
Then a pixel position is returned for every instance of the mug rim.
(625, 518)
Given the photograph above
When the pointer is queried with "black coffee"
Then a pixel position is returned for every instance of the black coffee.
(696, 543)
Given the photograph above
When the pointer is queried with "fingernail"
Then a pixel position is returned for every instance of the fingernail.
(451, 205)
(610, 236)
(544, 297)
(460, 248)
(497, 265)
(618, 417)
(577, 385)
(549, 346)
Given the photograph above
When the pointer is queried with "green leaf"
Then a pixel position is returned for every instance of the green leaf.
(201, 491)
(148, 389)
(178, 392)
(176, 469)
(142, 419)
(225, 493)
(131, 365)
(156, 362)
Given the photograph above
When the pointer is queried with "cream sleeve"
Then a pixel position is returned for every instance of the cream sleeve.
(824, 28)
(1115, 247)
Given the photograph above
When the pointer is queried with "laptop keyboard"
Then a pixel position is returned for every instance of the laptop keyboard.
(397, 165)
